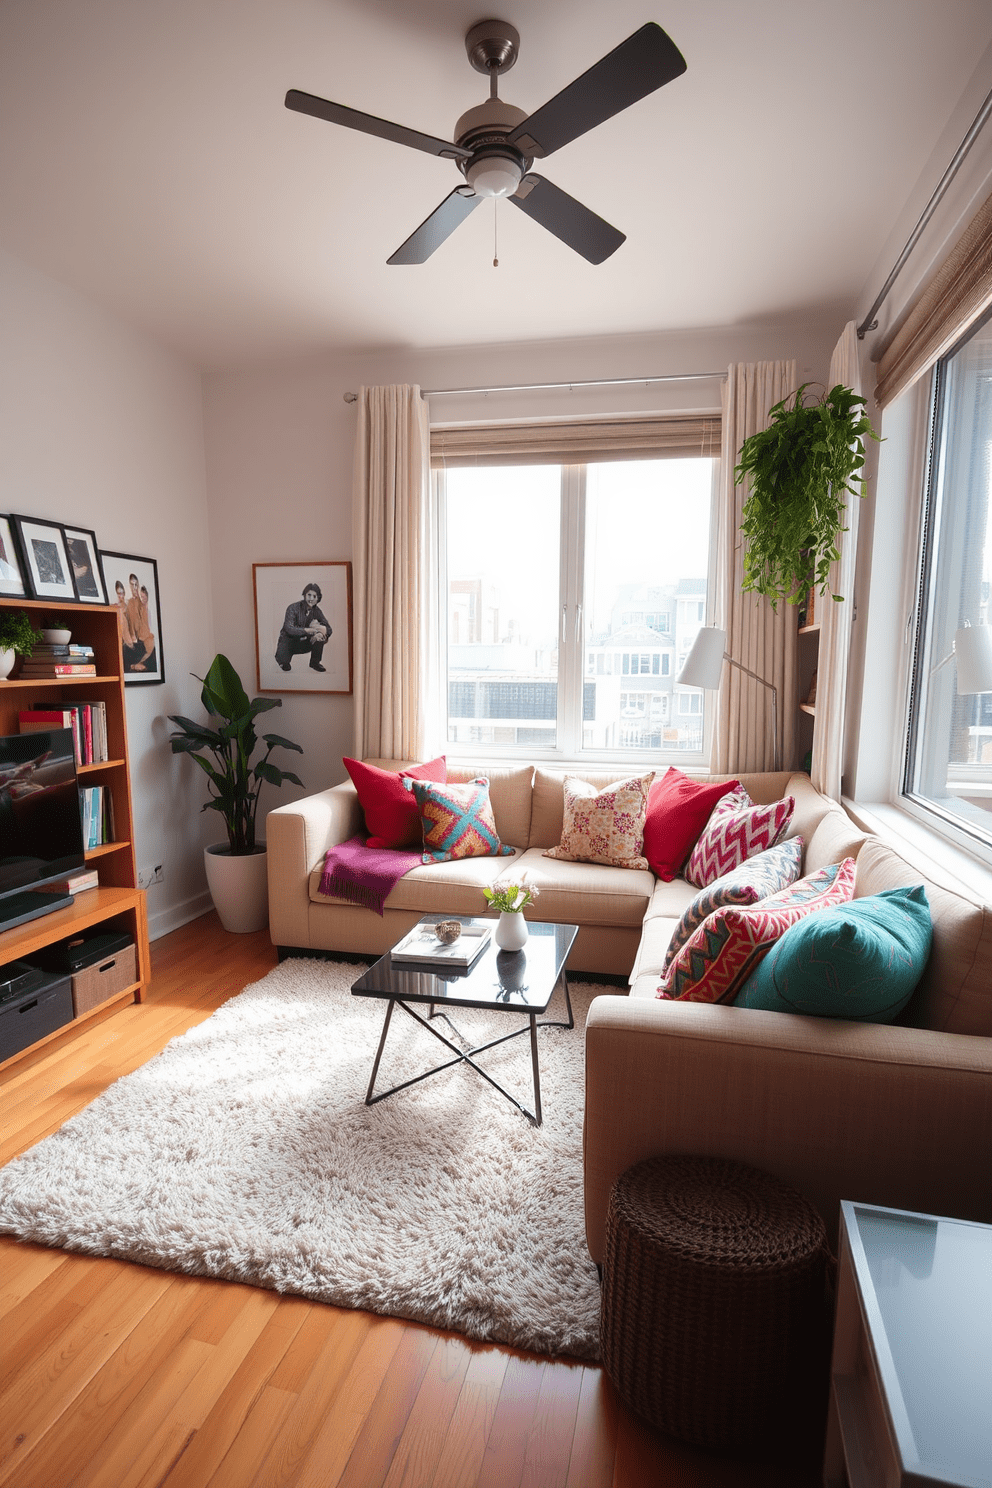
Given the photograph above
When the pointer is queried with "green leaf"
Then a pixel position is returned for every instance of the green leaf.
(283, 743)
(223, 693)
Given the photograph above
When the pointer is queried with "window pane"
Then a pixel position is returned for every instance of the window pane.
(950, 764)
(647, 555)
(503, 528)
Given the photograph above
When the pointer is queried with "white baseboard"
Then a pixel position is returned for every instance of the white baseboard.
(162, 921)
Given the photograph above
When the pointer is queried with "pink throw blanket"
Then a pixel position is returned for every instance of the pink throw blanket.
(365, 875)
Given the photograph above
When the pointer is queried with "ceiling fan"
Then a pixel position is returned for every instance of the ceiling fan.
(496, 144)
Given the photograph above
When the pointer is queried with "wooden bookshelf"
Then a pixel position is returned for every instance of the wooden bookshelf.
(118, 903)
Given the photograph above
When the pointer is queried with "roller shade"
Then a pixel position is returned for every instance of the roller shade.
(959, 292)
(578, 442)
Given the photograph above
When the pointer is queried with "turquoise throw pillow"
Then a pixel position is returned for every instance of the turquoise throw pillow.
(861, 960)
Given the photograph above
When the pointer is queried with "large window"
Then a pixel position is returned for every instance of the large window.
(569, 589)
(949, 756)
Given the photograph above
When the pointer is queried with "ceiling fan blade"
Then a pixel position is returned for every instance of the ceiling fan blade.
(434, 229)
(645, 61)
(337, 113)
(567, 218)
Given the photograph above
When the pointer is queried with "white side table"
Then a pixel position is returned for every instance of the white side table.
(911, 1378)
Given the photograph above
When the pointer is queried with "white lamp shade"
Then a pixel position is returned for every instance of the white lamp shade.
(704, 664)
(973, 654)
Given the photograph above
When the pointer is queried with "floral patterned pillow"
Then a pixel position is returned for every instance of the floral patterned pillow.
(722, 952)
(736, 831)
(604, 826)
(754, 880)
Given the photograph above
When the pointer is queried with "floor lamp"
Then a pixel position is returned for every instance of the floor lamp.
(704, 667)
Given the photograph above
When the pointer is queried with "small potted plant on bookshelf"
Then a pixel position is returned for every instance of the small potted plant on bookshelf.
(17, 638)
(511, 900)
(236, 869)
(57, 630)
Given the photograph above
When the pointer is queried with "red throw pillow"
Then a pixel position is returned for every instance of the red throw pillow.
(391, 816)
(678, 810)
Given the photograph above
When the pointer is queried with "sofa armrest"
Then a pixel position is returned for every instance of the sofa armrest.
(893, 1116)
(297, 836)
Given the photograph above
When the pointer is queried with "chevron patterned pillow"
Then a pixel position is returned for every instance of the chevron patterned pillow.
(736, 831)
(720, 955)
(766, 873)
(457, 821)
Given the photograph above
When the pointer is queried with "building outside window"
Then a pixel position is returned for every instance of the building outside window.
(563, 584)
(948, 762)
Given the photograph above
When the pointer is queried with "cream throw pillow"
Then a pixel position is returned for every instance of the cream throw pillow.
(604, 826)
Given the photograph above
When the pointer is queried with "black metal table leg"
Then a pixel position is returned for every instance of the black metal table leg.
(378, 1052)
(535, 1064)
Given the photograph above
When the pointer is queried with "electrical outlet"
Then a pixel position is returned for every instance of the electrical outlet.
(149, 876)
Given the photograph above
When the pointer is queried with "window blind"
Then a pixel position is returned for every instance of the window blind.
(959, 292)
(577, 442)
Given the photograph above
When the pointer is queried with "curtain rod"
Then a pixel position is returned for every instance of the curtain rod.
(555, 387)
(870, 323)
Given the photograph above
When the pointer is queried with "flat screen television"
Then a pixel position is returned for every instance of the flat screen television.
(41, 830)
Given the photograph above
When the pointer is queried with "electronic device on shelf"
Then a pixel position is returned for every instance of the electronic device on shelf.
(41, 832)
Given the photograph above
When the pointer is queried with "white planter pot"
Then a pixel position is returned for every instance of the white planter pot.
(7, 659)
(239, 887)
(511, 930)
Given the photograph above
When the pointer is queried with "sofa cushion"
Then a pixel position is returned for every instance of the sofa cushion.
(585, 893)
(860, 961)
(737, 830)
(390, 812)
(444, 888)
(678, 810)
(548, 810)
(457, 820)
(755, 879)
(604, 826)
(718, 958)
(834, 838)
(510, 795)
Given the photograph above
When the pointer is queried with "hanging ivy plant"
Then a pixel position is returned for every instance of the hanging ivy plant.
(801, 468)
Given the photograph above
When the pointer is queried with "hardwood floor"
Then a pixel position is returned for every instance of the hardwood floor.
(116, 1375)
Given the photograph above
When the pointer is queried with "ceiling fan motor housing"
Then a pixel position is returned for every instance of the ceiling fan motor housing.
(496, 167)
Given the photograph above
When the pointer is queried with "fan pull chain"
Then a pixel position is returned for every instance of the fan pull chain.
(495, 238)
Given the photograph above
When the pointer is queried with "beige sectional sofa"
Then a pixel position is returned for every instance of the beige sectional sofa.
(898, 1115)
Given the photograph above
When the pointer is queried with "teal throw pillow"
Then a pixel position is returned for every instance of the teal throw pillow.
(861, 960)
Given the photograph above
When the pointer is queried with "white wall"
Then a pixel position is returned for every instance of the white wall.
(280, 440)
(102, 428)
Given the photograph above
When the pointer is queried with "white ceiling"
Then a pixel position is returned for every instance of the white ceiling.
(147, 159)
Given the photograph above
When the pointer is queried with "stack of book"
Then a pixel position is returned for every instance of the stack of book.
(88, 722)
(95, 810)
(69, 660)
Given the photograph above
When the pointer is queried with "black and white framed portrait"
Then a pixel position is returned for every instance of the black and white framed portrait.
(47, 569)
(81, 546)
(11, 574)
(132, 584)
(303, 626)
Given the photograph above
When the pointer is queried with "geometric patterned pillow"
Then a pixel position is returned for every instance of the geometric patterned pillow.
(756, 879)
(736, 830)
(604, 826)
(721, 954)
(457, 821)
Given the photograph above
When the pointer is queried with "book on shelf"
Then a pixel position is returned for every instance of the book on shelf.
(58, 669)
(422, 945)
(88, 722)
(92, 812)
(71, 652)
(76, 883)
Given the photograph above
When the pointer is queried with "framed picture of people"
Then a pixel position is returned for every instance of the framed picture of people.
(303, 626)
(132, 585)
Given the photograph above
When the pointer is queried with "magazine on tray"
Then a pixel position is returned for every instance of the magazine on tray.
(422, 944)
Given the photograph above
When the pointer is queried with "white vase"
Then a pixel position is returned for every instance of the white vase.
(511, 930)
(7, 659)
(239, 887)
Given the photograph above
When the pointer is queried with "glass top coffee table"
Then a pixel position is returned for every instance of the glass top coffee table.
(509, 981)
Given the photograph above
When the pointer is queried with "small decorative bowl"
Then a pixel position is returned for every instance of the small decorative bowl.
(447, 931)
(57, 637)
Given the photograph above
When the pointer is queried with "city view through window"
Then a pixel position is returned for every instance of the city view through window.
(574, 594)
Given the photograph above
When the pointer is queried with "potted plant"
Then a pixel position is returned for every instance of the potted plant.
(236, 870)
(801, 468)
(511, 900)
(57, 630)
(17, 638)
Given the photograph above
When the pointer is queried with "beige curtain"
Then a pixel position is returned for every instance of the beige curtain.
(757, 637)
(393, 557)
(836, 619)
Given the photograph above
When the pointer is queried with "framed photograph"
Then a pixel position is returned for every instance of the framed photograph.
(46, 558)
(81, 547)
(132, 584)
(11, 574)
(302, 626)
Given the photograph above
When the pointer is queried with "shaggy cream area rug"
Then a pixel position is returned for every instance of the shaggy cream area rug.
(245, 1150)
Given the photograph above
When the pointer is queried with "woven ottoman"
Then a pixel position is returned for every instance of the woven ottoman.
(713, 1299)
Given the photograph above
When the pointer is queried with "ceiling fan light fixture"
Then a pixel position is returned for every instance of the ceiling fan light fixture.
(494, 175)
